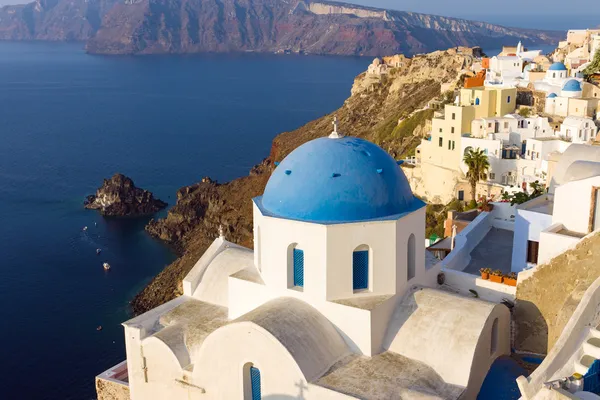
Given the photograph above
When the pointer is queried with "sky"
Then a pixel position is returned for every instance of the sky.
(545, 14)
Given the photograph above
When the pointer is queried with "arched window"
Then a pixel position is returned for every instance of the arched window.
(410, 257)
(295, 259)
(494, 337)
(477, 101)
(252, 390)
(360, 268)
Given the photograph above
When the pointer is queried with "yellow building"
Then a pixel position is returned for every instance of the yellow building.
(489, 102)
(443, 149)
(584, 107)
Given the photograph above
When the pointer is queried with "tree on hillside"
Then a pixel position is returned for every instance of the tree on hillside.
(478, 164)
(594, 66)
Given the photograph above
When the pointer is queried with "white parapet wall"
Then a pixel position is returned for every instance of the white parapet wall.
(466, 241)
(471, 285)
(503, 216)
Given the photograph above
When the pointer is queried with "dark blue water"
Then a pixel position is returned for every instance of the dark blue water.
(67, 120)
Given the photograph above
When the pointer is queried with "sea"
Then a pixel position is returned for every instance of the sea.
(67, 121)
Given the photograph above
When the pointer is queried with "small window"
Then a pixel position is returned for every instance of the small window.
(554, 74)
(477, 101)
(453, 115)
(506, 125)
(492, 175)
(410, 257)
(441, 130)
(298, 267)
(453, 144)
(508, 99)
(494, 337)
(461, 195)
(441, 142)
(255, 383)
(360, 269)
(449, 144)
(452, 130)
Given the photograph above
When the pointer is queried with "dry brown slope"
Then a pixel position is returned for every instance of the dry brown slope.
(372, 112)
(547, 300)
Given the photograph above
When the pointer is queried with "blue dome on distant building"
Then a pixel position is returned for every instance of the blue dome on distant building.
(552, 96)
(572, 86)
(558, 66)
(337, 180)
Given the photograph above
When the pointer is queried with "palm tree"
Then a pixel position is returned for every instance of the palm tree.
(478, 164)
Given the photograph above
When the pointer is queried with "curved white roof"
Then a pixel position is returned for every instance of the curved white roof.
(575, 152)
(311, 339)
(213, 286)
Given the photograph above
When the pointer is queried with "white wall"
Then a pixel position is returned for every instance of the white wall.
(466, 241)
(552, 243)
(528, 225)
(503, 216)
(573, 204)
(383, 245)
(276, 237)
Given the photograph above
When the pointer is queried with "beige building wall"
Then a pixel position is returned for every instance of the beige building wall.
(493, 102)
(583, 107)
(590, 91)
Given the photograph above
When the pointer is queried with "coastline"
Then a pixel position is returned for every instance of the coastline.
(371, 112)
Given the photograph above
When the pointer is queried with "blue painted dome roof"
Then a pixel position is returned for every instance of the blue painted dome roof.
(552, 95)
(572, 86)
(337, 180)
(558, 66)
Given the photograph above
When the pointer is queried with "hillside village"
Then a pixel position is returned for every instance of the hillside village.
(341, 298)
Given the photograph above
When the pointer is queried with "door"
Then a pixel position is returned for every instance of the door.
(461, 195)
(596, 205)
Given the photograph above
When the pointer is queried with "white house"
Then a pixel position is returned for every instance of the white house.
(334, 302)
(578, 129)
(548, 225)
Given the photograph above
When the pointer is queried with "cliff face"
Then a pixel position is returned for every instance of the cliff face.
(385, 109)
(56, 20)
(546, 300)
(184, 26)
(118, 197)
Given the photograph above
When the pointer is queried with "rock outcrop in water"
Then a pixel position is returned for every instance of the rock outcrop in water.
(373, 112)
(118, 197)
(191, 26)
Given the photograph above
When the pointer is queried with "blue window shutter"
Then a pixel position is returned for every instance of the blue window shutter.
(360, 270)
(298, 267)
(255, 383)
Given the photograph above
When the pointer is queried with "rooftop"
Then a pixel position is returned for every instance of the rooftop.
(387, 376)
(542, 205)
(493, 251)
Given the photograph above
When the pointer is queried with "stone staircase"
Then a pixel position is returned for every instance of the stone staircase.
(590, 351)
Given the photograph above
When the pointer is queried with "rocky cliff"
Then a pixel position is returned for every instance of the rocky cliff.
(387, 109)
(184, 26)
(547, 299)
(118, 197)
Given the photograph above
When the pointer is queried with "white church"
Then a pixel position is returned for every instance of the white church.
(336, 301)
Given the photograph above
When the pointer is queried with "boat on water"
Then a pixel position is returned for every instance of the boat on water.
(85, 228)
(106, 266)
(98, 251)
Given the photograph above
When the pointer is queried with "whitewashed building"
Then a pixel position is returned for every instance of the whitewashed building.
(548, 225)
(578, 129)
(336, 301)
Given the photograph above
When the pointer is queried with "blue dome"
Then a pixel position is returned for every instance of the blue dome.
(552, 95)
(337, 180)
(572, 86)
(558, 66)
